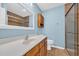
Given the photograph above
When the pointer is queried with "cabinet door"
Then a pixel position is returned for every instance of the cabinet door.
(34, 51)
(42, 51)
(38, 54)
(40, 20)
(45, 47)
(42, 44)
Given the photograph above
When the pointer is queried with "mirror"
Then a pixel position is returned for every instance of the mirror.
(19, 16)
(17, 20)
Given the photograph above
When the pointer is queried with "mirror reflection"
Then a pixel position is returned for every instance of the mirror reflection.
(19, 16)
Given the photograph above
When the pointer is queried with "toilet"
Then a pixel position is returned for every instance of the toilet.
(50, 43)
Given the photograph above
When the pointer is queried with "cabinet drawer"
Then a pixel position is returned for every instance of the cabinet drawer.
(33, 51)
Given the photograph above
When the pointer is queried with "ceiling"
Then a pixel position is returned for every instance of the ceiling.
(18, 9)
(22, 11)
(47, 6)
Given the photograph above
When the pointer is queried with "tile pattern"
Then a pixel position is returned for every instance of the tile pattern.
(57, 52)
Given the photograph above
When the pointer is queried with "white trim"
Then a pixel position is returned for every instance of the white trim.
(58, 47)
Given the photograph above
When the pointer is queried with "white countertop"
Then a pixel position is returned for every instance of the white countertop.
(20, 47)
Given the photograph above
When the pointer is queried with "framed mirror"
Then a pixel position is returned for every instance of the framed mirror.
(19, 16)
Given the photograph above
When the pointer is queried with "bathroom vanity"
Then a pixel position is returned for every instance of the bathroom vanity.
(33, 46)
(38, 50)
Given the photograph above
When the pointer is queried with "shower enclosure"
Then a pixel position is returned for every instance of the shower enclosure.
(71, 31)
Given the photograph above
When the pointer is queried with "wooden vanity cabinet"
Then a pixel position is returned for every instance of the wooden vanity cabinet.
(40, 21)
(39, 50)
(42, 52)
(34, 51)
(45, 47)
(42, 48)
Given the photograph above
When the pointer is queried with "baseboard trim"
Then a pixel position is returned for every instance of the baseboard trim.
(58, 47)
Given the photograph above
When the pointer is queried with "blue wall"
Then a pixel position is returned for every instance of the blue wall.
(54, 26)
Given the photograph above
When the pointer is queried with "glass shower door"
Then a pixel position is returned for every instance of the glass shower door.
(71, 31)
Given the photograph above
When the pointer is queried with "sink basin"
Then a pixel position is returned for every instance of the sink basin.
(31, 40)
